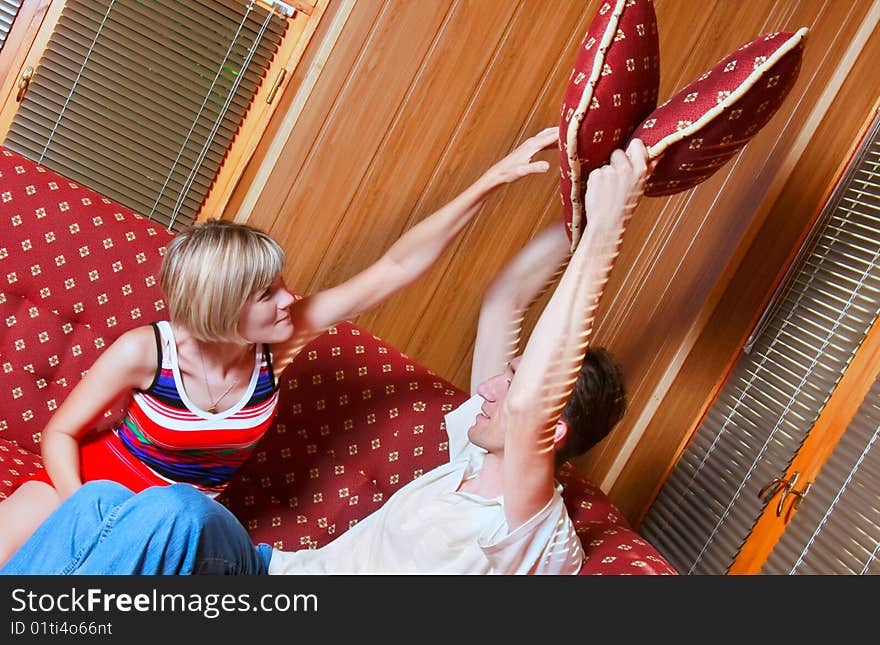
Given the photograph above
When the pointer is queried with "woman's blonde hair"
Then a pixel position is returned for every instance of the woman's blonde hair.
(210, 270)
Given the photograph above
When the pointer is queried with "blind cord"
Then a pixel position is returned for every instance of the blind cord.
(76, 81)
(220, 116)
(198, 116)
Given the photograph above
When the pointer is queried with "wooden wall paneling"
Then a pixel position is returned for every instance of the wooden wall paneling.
(495, 121)
(399, 185)
(326, 99)
(685, 32)
(449, 301)
(681, 261)
(352, 135)
(752, 278)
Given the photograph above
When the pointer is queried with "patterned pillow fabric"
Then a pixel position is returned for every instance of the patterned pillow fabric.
(612, 87)
(705, 124)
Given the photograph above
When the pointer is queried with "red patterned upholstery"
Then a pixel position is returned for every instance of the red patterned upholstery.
(700, 128)
(76, 271)
(357, 419)
(15, 462)
(613, 86)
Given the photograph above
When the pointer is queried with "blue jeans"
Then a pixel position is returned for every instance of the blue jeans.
(104, 528)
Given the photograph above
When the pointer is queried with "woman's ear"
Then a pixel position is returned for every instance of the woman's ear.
(560, 433)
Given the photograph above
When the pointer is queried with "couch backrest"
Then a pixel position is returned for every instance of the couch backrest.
(76, 271)
(357, 420)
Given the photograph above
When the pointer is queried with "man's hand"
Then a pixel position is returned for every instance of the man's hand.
(614, 190)
(519, 163)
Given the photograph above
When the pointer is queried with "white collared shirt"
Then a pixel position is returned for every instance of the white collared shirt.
(428, 526)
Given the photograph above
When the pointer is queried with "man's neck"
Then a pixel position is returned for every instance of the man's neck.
(489, 481)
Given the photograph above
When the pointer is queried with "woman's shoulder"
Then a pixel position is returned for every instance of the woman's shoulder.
(138, 335)
(137, 345)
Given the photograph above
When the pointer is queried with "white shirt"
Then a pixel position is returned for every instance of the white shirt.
(428, 526)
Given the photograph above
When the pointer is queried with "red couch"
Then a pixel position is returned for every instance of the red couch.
(357, 418)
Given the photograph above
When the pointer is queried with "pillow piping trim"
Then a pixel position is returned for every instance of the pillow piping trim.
(574, 126)
(734, 96)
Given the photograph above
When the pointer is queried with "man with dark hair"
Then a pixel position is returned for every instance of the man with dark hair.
(596, 404)
(495, 507)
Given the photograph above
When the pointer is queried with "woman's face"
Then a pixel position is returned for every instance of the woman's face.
(265, 317)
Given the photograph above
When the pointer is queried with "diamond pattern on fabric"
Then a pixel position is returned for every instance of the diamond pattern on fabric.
(705, 124)
(76, 271)
(612, 87)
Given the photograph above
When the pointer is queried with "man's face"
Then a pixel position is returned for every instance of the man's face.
(488, 429)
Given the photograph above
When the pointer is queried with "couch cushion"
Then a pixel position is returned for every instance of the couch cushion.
(610, 545)
(16, 463)
(76, 271)
(613, 550)
(357, 420)
(612, 87)
(705, 124)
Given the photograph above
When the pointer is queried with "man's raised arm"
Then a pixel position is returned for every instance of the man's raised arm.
(522, 281)
(553, 356)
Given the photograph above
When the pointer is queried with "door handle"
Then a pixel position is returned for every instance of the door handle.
(23, 82)
(786, 487)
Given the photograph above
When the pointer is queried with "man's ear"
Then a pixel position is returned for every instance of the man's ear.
(560, 433)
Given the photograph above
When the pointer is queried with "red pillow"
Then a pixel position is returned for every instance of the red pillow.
(612, 87)
(707, 122)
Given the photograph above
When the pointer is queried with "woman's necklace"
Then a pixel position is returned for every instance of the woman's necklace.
(212, 408)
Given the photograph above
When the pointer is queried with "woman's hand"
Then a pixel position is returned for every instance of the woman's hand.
(519, 163)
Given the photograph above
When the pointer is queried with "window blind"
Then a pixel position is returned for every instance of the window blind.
(8, 12)
(141, 100)
(709, 504)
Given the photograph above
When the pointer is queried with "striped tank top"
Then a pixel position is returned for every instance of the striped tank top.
(180, 442)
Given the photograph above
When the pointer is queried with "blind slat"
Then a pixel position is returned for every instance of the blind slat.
(8, 12)
(159, 58)
(176, 96)
(146, 150)
(140, 101)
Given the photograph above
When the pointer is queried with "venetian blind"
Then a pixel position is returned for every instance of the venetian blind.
(8, 11)
(141, 100)
(709, 503)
